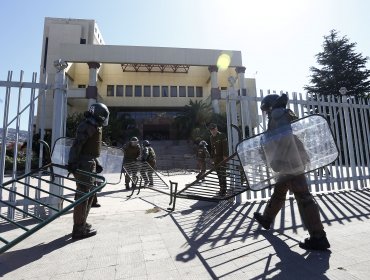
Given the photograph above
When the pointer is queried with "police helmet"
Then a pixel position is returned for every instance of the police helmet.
(100, 113)
(268, 102)
(146, 143)
(203, 143)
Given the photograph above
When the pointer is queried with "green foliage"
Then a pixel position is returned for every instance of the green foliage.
(192, 122)
(21, 163)
(72, 123)
(341, 67)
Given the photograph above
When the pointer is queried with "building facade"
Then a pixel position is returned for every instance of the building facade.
(147, 86)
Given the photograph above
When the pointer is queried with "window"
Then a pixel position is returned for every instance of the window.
(119, 90)
(173, 91)
(199, 92)
(190, 91)
(182, 91)
(83, 41)
(81, 86)
(164, 91)
(155, 91)
(146, 91)
(110, 90)
(138, 90)
(129, 91)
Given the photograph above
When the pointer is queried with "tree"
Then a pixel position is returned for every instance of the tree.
(341, 67)
(192, 122)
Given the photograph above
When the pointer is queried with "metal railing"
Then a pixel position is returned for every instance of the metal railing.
(39, 206)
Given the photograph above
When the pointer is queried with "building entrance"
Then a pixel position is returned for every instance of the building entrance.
(156, 131)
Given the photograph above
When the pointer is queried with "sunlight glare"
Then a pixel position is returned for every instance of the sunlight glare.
(223, 61)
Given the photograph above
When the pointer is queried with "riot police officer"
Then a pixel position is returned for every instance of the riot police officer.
(148, 155)
(132, 155)
(202, 155)
(278, 117)
(219, 152)
(84, 155)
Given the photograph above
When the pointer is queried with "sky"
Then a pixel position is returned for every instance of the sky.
(278, 39)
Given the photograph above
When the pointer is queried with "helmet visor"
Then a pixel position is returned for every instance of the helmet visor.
(105, 122)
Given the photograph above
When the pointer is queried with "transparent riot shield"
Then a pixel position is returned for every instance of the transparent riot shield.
(111, 158)
(303, 146)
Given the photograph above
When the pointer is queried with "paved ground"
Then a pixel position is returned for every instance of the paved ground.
(138, 239)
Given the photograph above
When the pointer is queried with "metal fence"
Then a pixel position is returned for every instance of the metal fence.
(349, 119)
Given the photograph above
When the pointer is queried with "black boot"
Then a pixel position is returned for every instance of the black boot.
(262, 221)
(80, 232)
(315, 243)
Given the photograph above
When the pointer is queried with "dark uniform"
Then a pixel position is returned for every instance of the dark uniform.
(132, 155)
(279, 117)
(148, 155)
(84, 155)
(202, 155)
(219, 152)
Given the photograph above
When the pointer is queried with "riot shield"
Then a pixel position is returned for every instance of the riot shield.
(303, 146)
(111, 158)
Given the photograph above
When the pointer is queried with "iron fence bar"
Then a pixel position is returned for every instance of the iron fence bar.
(64, 187)
(45, 191)
(34, 200)
(21, 210)
(94, 190)
(3, 240)
(31, 85)
(13, 222)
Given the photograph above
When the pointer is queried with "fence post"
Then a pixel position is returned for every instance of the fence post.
(349, 132)
(59, 119)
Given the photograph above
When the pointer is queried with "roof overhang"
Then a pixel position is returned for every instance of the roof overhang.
(145, 55)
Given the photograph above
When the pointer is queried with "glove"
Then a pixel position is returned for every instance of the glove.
(99, 167)
(72, 166)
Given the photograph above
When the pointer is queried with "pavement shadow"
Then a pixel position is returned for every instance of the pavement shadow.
(293, 265)
(206, 229)
(10, 261)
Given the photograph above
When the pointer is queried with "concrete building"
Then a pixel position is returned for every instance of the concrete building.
(149, 85)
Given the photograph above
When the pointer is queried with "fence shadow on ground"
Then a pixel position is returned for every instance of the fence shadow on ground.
(11, 261)
(228, 241)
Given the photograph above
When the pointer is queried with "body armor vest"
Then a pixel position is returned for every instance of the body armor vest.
(92, 146)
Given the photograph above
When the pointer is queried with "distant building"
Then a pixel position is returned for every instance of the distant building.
(147, 84)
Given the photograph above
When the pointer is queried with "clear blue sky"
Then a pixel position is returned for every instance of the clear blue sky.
(278, 39)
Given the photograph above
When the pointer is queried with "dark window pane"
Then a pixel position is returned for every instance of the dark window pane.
(182, 91)
(128, 90)
(155, 91)
(173, 91)
(119, 90)
(164, 91)
(138, 90)
(199, 91)
(81, 86)
(147, 91)
(190, 91)
(110, 90)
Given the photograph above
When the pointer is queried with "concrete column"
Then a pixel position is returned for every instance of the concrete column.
(244, 108)
(92, 90)
(215, 91)
(240, 71)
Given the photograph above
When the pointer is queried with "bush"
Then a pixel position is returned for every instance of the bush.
(21, 163)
